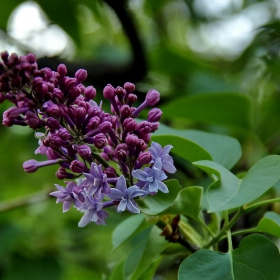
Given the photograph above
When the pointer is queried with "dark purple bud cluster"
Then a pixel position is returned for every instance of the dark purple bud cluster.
(84, 140)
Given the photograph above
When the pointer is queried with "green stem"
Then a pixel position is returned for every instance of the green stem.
(230, 248)
(24, 201)
(259, 204)
(219, 236)
(202, 223)
(244, 231)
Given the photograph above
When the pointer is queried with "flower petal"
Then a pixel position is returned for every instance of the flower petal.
(162, 187)
(140, 174)
(122, 205)
(121, 184)
(131, 207)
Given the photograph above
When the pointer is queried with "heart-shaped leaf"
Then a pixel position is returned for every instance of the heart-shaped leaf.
(229, 192)
(230, 109)
(256, 258)
(270, 223)
(195, 145)
(128, 228)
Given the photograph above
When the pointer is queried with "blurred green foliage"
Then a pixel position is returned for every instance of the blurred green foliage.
(234, 93)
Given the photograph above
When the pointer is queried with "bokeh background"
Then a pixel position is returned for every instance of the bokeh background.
(216, 65)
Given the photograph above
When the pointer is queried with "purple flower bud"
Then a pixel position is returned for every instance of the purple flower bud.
(77, 166)
(152, 97)
(32, 119)
(55, 141)
(109, 92)
(31, 58)
(80, 114)
(100, 140)
(121, 152)
(132, 98)
(125, 111)
(144, 158)
(142, 145)
(154, 115)
(58, 94)
(4, 56)
(50, 108)
(131, 140)
(110, 172)
(81, 75)
(130, 124)
(130, 87)
(31, 166)
(62, 70)
(93, 123)
(105, 127)
(64, 134)
(155, 126)
(69, 83)
(90, 93)
(84, 151)
(62, 174)
(144, 127)
(73, 93)
(53, 123)
(63, 110)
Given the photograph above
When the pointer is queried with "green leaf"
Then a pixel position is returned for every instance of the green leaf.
(128, 228)
(183, 147)
(155, 204)
(229, 109)
(206, 264)
(256, 258)
(188, 202)
(270, 223)
(144, 255)
(222, 149)
(229, 192)
(118, 273)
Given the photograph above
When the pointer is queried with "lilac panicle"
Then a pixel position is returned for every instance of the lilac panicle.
(162, 154)
(125, 196)
(79, 134)
(71, 194)
(150, 178)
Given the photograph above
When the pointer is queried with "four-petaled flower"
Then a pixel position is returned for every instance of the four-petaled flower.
(93, 212)
(150, 178)
(71, 194)
(96, 180)
(125, 196)
(162, 154)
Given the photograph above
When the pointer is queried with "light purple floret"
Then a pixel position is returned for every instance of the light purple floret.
(93, 212)
(96, 180)
(162, 154)
(125, 196)
(150, 178)
(71, 194)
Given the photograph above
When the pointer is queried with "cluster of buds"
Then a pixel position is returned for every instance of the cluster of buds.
(85, 142)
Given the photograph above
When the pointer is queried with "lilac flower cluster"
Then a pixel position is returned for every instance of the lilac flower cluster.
(84, 141)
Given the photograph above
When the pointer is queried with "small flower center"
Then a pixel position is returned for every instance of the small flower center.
(150, 179)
